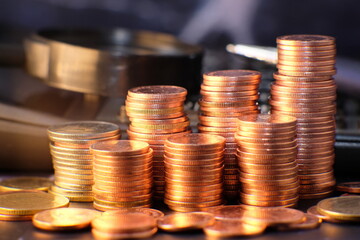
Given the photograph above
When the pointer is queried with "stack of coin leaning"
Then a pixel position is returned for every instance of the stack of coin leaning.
(122, 174)
(305, 88)
(267, 160)
(72, 160)
(193, 171)
(156, 112)
(227, 95)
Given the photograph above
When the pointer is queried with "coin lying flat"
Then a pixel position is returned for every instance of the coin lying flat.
(25, 183)
(341, 208)
(310, 222)
(61, 219)
(233, 228)
(27, 203)
(235, 212)
(178, 222)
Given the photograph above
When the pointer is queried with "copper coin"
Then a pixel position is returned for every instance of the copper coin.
(327, 88)
(281, 77)
(266, 145)
(277, 158)
(209, 88)
(257, 197)
(268, 182)
(195, 141)
(266, 120)
(272, 216)
(316, 195)
(99, 234)
(233, 228)
(277, 186)
(282, 68)
(204, 188)
(197, 182)
(203, 103)
(310, 222)
(192, 167)
(150, 105)
(308, 73)
(228, 109)
(305, 40)
(205, 129)
(266, 139)
(160, 130)
(232, 75)
(126, 222)
(149, 211)
(307, 53)
(177, 222)
(307, 95)
(313, 211)
(157, 91)
(306, 48)
(193, 194)
(120, 147)
(196, 199)
(169, 99)
(270, 192)
(349, 187)
(211, 98)
(206, 204)
(301, 84)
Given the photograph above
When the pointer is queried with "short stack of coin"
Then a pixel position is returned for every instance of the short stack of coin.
(193, 171)
(156, 112)
(71, 156)
(227, 95)
(122, 174)
(305, 88)
(266, 153)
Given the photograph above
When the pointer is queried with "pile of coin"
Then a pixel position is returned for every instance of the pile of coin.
(156, 112)
(127, 225)
(193, 171)
(227, 95)
(266, 153)
(71, 156)
(122, 174)
(304, 88)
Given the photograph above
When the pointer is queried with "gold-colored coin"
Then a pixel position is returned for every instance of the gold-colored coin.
(28, 202)
(5, 217)
(84, 130)
(74, 197)
(225, 228)
(341, 208)
(125, 222)
(313, 211)
(63, 219)
(25, 183)
(235, 212)
(177, 222)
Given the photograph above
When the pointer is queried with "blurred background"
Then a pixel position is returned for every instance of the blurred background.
(28, 106)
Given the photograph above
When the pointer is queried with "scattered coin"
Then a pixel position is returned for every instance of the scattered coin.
(178, 222)
(224, 228)
(341, 208)
(63, 219)
(25, 183)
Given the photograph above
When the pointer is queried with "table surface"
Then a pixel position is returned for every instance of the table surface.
(327, 231)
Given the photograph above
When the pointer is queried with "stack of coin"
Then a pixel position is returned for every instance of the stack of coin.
(304, 88)
(127, 225)
(193, 171)
(156, 112)
(71, 156)
(227, 95)
(122, 174)
(266, 153)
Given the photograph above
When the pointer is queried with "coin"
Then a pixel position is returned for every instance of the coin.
(157, 92)
(63, 219)
(5, 217)
(195, 141)
(120, 147)
(305, 40)
(310, 222)
(29, 202)
(340, 208)
(149, 211)
(126, 222)
(233, 228)
(99, 234)
(177, 222)
(25, 183)
(272, 216)
(349, 187)
(83, 130)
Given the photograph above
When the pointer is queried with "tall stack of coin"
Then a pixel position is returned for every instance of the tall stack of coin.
(227, 95)
(193, 171)
(305, 88)
(267, 160)
(156, 112)
(122, 174)
(71, 156)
